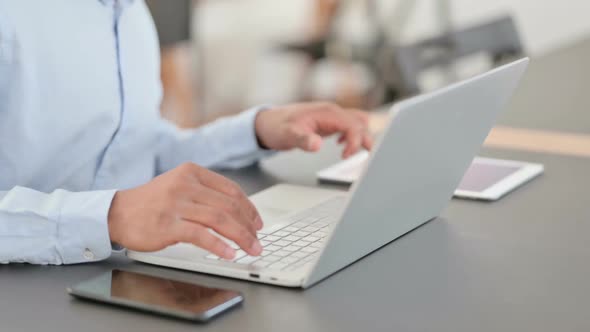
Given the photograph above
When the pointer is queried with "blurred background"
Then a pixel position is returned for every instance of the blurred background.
(220, 57)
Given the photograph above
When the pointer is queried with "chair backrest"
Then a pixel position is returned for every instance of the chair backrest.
(498, 38)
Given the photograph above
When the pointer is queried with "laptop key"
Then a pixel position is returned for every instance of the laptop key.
(312, 238)
(309, 250)
(291, 248)
(282, 243)
(299, 254)
(292, 238)
(310, 229)
(212, 256)
(247, 260)
(271, 238)
(302, 243)
(271, 258)
(282, 253)
(289, 260)
(239, 254)
(281, 233)
(272, 248)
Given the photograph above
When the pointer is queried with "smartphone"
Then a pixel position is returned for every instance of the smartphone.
(157, 295)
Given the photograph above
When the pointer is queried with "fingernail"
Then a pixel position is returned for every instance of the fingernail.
(229, 253)
(256, 248)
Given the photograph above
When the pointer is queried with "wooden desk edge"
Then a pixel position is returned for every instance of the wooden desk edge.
(541, 141)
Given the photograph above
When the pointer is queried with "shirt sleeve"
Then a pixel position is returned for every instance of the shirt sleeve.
(61, 227)
(226, 143)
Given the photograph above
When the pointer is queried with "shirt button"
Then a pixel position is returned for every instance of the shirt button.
(89, 255)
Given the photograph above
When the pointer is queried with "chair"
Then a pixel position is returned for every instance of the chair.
(498, 38)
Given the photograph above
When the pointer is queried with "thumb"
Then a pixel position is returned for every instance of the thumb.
(310, 142)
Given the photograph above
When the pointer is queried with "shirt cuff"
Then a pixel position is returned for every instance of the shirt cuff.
(245, 132)
(83, 234)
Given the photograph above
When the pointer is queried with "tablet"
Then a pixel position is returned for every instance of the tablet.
(486, 179)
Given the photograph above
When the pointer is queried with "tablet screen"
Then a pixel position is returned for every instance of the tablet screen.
(482, 175)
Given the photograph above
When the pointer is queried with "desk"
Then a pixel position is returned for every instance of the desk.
(520, 264)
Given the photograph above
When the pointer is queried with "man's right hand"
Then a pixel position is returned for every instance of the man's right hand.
(182, 205)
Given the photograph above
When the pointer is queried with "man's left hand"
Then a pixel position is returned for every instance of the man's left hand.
(305, 125)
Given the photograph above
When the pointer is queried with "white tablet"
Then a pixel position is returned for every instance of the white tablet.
(486, 179)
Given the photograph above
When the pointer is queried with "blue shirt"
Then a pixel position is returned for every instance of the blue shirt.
(79, 119)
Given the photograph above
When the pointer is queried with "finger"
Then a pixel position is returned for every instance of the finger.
(367, 141)
(332, 121)
(224, 224)
(218, 182)
(354, 138)
(225, 186)
(241, 210)
(200, 236)
(258, 223)
(309, 142)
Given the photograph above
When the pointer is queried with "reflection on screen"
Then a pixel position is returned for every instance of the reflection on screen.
(166, 293)
(481, 176)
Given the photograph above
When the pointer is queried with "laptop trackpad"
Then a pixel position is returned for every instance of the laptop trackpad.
(282, 199)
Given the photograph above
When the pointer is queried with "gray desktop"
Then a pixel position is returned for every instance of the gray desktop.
(519, 264)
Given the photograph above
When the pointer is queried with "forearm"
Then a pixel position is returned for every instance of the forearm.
(226, 143)
(57, 228)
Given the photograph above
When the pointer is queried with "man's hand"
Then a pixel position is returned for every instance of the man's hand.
(182, 205)
(303, 126)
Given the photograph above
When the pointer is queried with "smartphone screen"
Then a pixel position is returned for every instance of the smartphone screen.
(155, 294)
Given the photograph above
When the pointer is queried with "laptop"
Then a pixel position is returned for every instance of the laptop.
(411, 175)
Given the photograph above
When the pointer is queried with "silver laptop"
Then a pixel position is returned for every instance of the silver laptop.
(412, 173)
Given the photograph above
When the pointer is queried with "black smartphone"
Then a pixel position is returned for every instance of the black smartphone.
(157, 295)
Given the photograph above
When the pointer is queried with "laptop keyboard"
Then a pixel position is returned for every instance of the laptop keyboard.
(294, 244)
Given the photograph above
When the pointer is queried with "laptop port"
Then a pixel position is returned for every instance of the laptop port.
(255, 275)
